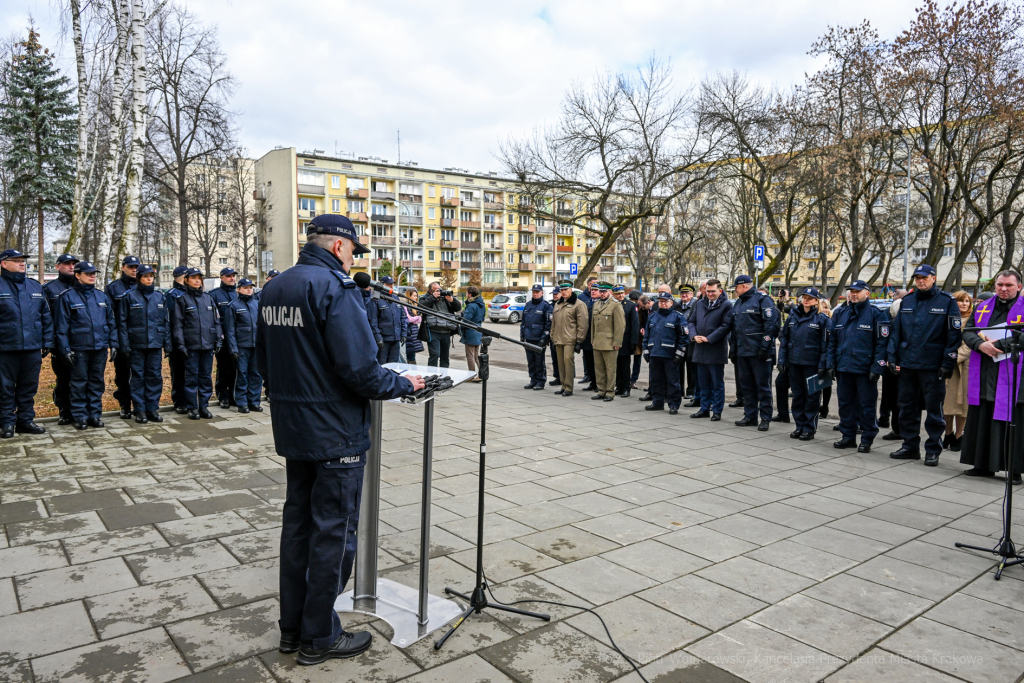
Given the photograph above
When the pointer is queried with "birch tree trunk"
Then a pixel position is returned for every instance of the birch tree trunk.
(139, 115)
(78, 210)
(104, 243)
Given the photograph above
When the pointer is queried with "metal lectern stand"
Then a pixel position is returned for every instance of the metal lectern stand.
(412, 613)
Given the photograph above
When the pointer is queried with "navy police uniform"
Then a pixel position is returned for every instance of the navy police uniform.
(84, 330)
(665, 342)
(144, 334)
(26, 332)
(536, 329)
(857, 350)
(122, 363)
(176, 361)
(320, 394)
(755, 326)
(240, 338)
(803, 353)
(393, 326)
(923, 345)
(196, 336)
(62, 373)
(224, 387)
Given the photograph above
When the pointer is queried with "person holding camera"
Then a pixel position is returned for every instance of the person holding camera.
(435, 331)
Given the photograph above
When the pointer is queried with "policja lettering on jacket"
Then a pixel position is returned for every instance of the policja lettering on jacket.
(288, 316)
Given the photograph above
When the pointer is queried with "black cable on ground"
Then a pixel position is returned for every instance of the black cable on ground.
(629, 659)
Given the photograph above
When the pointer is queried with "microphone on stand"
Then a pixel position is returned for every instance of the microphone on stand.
(363, 281)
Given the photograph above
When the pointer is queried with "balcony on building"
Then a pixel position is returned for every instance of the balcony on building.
(564, 249)
(382, 218)
(470, 203)
(307, 213)
(528, 228)
(527, 247)
(450, 223)
(409, 242)
(357, 217)
(545, 230)
(310, 189)
(470, 245)
(494, 227)
(471, 265)
(410, 220)
(449, 201)
(494, 206)
(564, 212)
(453, 265)
(527, 266)
(411, 198)
(355, 193)
(387, 196)
(364, 240)
(470, 224)
(412, 264)
(623, 269)
(379, 241)
(492, 246)
(450, 244)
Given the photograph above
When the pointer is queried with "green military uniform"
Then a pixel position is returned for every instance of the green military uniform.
(607, 325)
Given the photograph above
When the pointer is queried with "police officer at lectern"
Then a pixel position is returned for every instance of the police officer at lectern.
(320, 392)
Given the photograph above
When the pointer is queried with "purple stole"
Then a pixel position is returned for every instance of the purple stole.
(1005, 368)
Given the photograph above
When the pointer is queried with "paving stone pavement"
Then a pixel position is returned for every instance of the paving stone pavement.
(715, 553)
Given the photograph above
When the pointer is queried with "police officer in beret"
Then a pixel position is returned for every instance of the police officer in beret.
(196, 336)
(240, 318)
(536, 329)
(144, 334)
(85, 328)
(665, 350)
(26, 335)
(53, 289)
(320, 394)
(857, 351)
(923, 351)
(175, 360)
(222, 296)
(755, 326)
(803, 353)
(122, 364)
(393, 326)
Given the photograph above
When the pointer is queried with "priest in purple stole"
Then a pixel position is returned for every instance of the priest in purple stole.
(991, 385)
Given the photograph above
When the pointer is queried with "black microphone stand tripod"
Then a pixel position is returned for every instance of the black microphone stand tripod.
(1005, 547)
(478, 600)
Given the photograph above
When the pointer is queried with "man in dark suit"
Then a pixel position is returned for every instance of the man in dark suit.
(710, 326)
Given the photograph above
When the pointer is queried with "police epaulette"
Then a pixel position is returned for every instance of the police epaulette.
(346, 281)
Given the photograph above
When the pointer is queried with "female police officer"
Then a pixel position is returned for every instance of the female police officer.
(240, 318)
(803, 352)
(665, 349)
(196, 333)
(144, 333)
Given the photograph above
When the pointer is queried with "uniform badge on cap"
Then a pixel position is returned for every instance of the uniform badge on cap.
(131, 261)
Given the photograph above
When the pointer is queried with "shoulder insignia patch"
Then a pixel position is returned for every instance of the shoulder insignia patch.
(767, 312)
(955, 323)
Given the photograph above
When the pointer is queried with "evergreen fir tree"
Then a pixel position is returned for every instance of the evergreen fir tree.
(37, 120)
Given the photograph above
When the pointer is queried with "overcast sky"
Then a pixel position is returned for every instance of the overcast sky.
(458, 77)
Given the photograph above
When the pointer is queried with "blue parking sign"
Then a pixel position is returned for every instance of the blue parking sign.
(574, 269)
(758, 253)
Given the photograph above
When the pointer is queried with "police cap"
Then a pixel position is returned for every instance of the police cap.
(604, 285)
(388, 280)
(858, 285)
(144, 270)
(84, 267)
(665, 295)
(245, 282)
(924, 269)
(180, 270)
(227, 271)
(193, 271)
(332, 224)
(131, 261)
(811, 292)
(66, 258)
(10, 255)
(273, 273)
(538, 288)
(743, 280)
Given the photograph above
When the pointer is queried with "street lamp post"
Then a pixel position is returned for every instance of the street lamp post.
(906, 222)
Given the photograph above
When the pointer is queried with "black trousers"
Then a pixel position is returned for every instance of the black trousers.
(198, 383)
(438, 348)
(536, 365)
(891, 399)
(147, 379)
(782, 386)
(62, 388)
(554, 362)
(805, 405)
(19, 382)
(588, 365)
(754, 381)
(318, 546)
(917, 387)
(225, 386)
(388, 352)
(622, 370)
(177, 365)
(858, 394)
(87, 385)
(123, 381)
(665, 383)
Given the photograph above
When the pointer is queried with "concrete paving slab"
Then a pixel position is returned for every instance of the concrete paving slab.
(879, 666)
(170, 563)
(32, 634)
(146, 657)
(701, 601)
(887, 605)
(148, 606)
(956, 652)
(594, 579)
(568, 543)
(228, 635)
(73, 583)
(555, 654)
(823, 626)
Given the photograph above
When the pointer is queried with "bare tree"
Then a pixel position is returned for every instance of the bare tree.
(240, 205)
(206, 212)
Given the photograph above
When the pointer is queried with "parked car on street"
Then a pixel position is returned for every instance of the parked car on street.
(507, 307)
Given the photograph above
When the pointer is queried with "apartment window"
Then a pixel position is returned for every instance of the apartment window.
(449, 256)
(511, 258)
(222, 196)
(382, 231)
(430, 192)
(947, 252)
(335, 182)
(307, 204)
(221, 179)
(430, 253)
(524, 219)
(466, 196)
(356, 207)
(406, 188)
(222, 245)
(407, 209)
(489, 218)
(511, 220)
(489, 197)
(354, 183)
(336, 205)
(379, 209)
(465, 215)
(379, 186)
(448, 214)
(920, 253)
(431, 235)
(448, 192)
(561, 260)
(448, 235)
(223, 261)
(310, 178)
(431, 213)
(511, 239)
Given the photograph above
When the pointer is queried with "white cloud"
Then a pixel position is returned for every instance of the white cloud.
(457, 77)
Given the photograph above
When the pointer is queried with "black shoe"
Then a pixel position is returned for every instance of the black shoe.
(141, 419)
(975, 472)
(763, 427)
(1016, 480)
(892, 436)
(647, 397)
(931, 459)
(585, 380)
(807, 436)
(528, 387)
(538, 387)
(673, 411)
(259, 409)
(609, 398)
(844, 443)
(692, 403)
(822, 414)
(795, 434)
(701, 413)
(65, 419)
(554, 382)
(781, 418)
(904, 453)
(205, 413)
(864, 448)
(625, 394)
(95, 422)
(835, 428)
(946, 438)
(746, 422)
(7, 432)
(243, 409)
(193, 414)
(597, 397)
(883, 422)
(738, 403)
(153, 416)
(715, 417)
(289, 642)
(125, 413)
(592, 387)
(81, 426)
(956, 443)
(29, 428)
(566, 394)
(181, 410)
(654, 407)
(559, 392)
(225, 403)
(347, 645)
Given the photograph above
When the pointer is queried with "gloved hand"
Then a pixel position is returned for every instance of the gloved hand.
(832, 373)
(69, 358)
(873, 376)
(764, 354)
(113, 355)
(216, 349)
(783, 368)
(579, 347)
(647, 356)
(380, 342)
(893, 369)
(235, 356)
(823, 374)
(545, 340)
(45, 352)
(945, 373)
